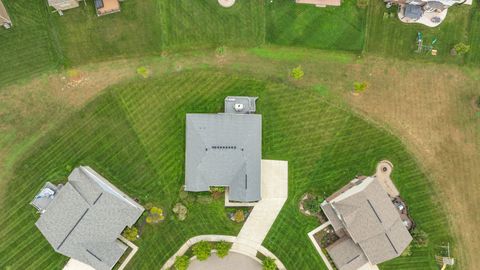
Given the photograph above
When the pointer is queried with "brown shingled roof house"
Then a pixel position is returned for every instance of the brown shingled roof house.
(320, 3)
(368, 224)
(5, 20)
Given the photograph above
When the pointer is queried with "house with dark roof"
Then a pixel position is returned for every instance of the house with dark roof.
(225, 149)
(84, 218)
(368, 224)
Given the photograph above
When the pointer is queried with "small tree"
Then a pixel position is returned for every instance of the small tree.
(312, 205)
(222, 248)
(202, 250)
(269, 264)
(181, 211)
(297, 73)
(155, 215)
(420, 238)
(359, 87)
(130, 233)
(181, 263)
(239, 216)
(461, 48)
(143, 71)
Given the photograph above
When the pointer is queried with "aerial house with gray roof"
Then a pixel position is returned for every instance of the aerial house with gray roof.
(225, 149)
(84, 218)
(368, 224)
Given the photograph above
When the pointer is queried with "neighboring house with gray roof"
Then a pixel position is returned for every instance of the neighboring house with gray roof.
(84, 218)
(225, 149)
(369, 225)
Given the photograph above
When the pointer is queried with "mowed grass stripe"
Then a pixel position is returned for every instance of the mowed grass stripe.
(134, 135)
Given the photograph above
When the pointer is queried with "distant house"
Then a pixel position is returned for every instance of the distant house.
(84, 218)
(320, 3)
(224, 149)
(5, 20)
(368, 224)
(62, 5)
(427, 12)
(105, 7)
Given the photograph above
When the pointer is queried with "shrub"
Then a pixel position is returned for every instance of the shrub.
(420, 238)
(143, 71)
(181, 211)
(478, 102)
(155, 215)
(461, 48)
(239, 216)
(269, 264)
(202, 250)
(407, 252)
(181, 263)
(359, 87)
(217, 189)
(148, 206)
(312, 205)
(130, 233)
(297, 73)
(222, 248)
(220, 51)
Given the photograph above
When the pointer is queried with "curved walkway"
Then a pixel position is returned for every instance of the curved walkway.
(249, 240)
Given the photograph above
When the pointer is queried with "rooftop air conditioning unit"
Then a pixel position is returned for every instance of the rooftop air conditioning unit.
(238, 107)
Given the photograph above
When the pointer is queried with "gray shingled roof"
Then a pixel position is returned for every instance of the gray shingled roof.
(370, 218)
(346, 254)
(86, 217)
(224, 150)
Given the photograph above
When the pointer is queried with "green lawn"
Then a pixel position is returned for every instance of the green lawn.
(28, 49)
(391, 38)
(41, 40)
(134, 135)
(334, 28)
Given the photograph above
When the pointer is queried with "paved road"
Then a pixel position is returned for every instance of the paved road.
(233, 261)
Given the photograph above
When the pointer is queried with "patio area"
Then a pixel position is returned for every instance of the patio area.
(430, 19)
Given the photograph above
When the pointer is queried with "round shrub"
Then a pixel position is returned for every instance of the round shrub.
(181, 263)
(222, 248)
(202, 250)
(130, 233)
(269, 264)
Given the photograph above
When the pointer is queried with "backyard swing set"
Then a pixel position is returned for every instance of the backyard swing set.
(423, 48)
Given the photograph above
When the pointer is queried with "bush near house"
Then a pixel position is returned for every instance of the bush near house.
(223, 248)
(155, 215)
(181, 263)
(461, 48)
(202, 250)
(420, 238)
(269, 264)
(130, 233)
